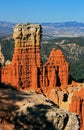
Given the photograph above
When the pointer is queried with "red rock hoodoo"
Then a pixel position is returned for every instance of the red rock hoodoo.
(23, 70)
(26, 71)
(77, 105)
(55, 70)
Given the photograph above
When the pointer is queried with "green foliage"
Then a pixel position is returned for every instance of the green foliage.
(7, 48)
(28, 23)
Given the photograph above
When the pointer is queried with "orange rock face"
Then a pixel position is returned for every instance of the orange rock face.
(26, 71)
(23, 70)
(55, 70)
(77, 105)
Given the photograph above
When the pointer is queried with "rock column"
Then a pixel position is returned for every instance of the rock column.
(26, 61)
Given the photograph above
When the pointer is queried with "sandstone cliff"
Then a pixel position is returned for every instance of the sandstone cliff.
(77, 101)
(26, 72)
(23, 70)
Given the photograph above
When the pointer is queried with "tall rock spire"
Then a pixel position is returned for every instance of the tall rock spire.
(26, 70)
(26, 61)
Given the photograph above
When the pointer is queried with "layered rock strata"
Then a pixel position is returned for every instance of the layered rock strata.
(77, 105)
(24, 68)
(55, 71)
(26, 71)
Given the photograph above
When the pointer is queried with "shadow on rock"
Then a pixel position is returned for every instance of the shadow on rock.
(34, 119)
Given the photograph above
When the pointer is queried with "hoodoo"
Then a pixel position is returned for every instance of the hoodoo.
(23, 70)
(26, 71)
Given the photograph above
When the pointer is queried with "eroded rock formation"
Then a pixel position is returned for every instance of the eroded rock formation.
(55, 72)
(24, 68)
(77, 104)
(31, 111)
(26, 71)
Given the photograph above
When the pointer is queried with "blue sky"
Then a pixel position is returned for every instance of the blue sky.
(41, 10)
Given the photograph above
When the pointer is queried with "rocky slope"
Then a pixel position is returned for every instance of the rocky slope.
(32, 111)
